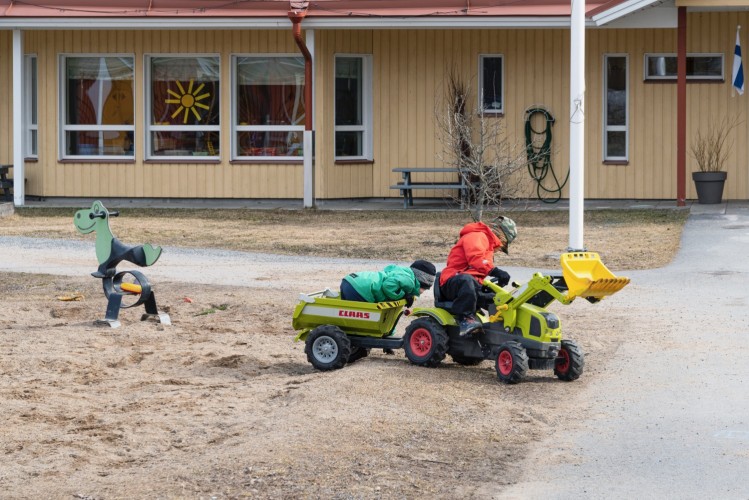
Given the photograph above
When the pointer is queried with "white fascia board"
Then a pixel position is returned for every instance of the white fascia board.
(622, 10)
(462, 22)
(143, 23)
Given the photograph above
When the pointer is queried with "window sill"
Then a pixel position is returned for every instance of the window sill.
(290, 161)
(31, 159)
(95, 160)
(493, 114)
(690, 81)
(616, 162)
(188, 159)
(354, 162)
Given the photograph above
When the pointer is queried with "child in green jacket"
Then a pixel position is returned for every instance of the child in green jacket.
(392, 283)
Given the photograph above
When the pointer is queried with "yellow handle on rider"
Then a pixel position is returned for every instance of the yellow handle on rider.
(496, 316)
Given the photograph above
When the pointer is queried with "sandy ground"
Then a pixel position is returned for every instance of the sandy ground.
(223, 404)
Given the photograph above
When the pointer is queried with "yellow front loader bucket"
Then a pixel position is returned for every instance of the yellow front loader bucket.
(586, 276)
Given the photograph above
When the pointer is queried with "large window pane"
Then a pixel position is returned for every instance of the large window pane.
(185, 106)
(270, 91)
(99, 106)
(616, 91)
(348, 91)
(699, 67)
(269, 106)
(615, 130)
(491, 83)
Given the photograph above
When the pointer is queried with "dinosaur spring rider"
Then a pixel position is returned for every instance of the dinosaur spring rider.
(110, 252)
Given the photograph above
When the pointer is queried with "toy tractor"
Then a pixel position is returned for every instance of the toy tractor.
(518, 332)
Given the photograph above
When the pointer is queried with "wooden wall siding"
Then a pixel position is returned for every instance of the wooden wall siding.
(140, 179)
(409, 68)
(6, 89)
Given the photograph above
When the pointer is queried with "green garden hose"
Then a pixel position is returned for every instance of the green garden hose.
(539, 157)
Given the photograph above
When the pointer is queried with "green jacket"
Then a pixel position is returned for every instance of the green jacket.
(392, 283)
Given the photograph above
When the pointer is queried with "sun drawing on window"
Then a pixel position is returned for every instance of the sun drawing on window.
(188, 100)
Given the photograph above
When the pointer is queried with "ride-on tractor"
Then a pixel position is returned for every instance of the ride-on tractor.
(518, 332)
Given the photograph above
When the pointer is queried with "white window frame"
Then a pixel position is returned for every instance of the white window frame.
(648, 56)
(64, 127)
(615, 128)
(492, 111)
(236, 127)
(31, 119)
(367, 109)
(148, 112)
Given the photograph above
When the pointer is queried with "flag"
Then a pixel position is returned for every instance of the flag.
(738, 68)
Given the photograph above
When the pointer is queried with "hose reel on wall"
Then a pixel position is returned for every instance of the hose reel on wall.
(538, 151)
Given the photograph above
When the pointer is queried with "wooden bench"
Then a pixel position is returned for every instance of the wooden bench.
(407, 186)
(6, 185)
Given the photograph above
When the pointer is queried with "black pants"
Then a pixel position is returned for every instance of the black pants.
(348, 292)
(464, 292)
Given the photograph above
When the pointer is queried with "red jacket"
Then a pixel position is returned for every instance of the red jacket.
(473, 253)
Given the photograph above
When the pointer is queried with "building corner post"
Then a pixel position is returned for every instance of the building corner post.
(19, 175)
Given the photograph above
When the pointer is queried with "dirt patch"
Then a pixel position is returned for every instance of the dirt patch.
(226, 405)
(223, 404)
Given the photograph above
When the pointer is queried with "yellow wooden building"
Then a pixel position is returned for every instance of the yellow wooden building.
(183, 99)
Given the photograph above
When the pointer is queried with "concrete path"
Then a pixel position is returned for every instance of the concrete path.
(670, 415)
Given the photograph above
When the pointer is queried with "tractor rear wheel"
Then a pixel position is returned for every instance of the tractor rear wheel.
(512, 363)
(327, 348)
(570, 362)
(425, 342)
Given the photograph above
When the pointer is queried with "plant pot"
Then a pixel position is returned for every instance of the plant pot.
(709, 186)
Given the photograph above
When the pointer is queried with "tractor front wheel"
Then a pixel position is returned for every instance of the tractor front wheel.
(425, 342)
(570, 362)
(512, 363)
(327, 348)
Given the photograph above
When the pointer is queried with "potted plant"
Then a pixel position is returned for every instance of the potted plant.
(710, 149)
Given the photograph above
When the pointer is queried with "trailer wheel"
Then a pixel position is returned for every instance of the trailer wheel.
(425, 342)
(327, 348)
(357, 353)
(512, 363)
(466, 360)
(570, 361)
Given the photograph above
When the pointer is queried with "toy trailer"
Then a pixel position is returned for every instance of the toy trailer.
(339, 331)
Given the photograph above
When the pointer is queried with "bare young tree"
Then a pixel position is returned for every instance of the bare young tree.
(477, 145)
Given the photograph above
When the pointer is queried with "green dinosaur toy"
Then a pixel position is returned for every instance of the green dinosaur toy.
(109, 250)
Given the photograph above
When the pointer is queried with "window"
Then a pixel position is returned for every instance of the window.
(30, 105)
(699, 67)
(97, 107)
(615, 129)
(268, 107)
(183, 103)
(490, 84)
(353, 107)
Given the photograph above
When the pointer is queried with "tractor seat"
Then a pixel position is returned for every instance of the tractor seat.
(438, 301)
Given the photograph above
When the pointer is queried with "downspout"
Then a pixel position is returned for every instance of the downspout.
(681, 108)
(297, 13)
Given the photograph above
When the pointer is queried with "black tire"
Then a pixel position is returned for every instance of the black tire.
(357, 353)
(570, 362)
(511, 363)
(425, 342)
(327, 348)
(466, 360)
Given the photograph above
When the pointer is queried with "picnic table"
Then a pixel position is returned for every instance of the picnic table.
(408, 185)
